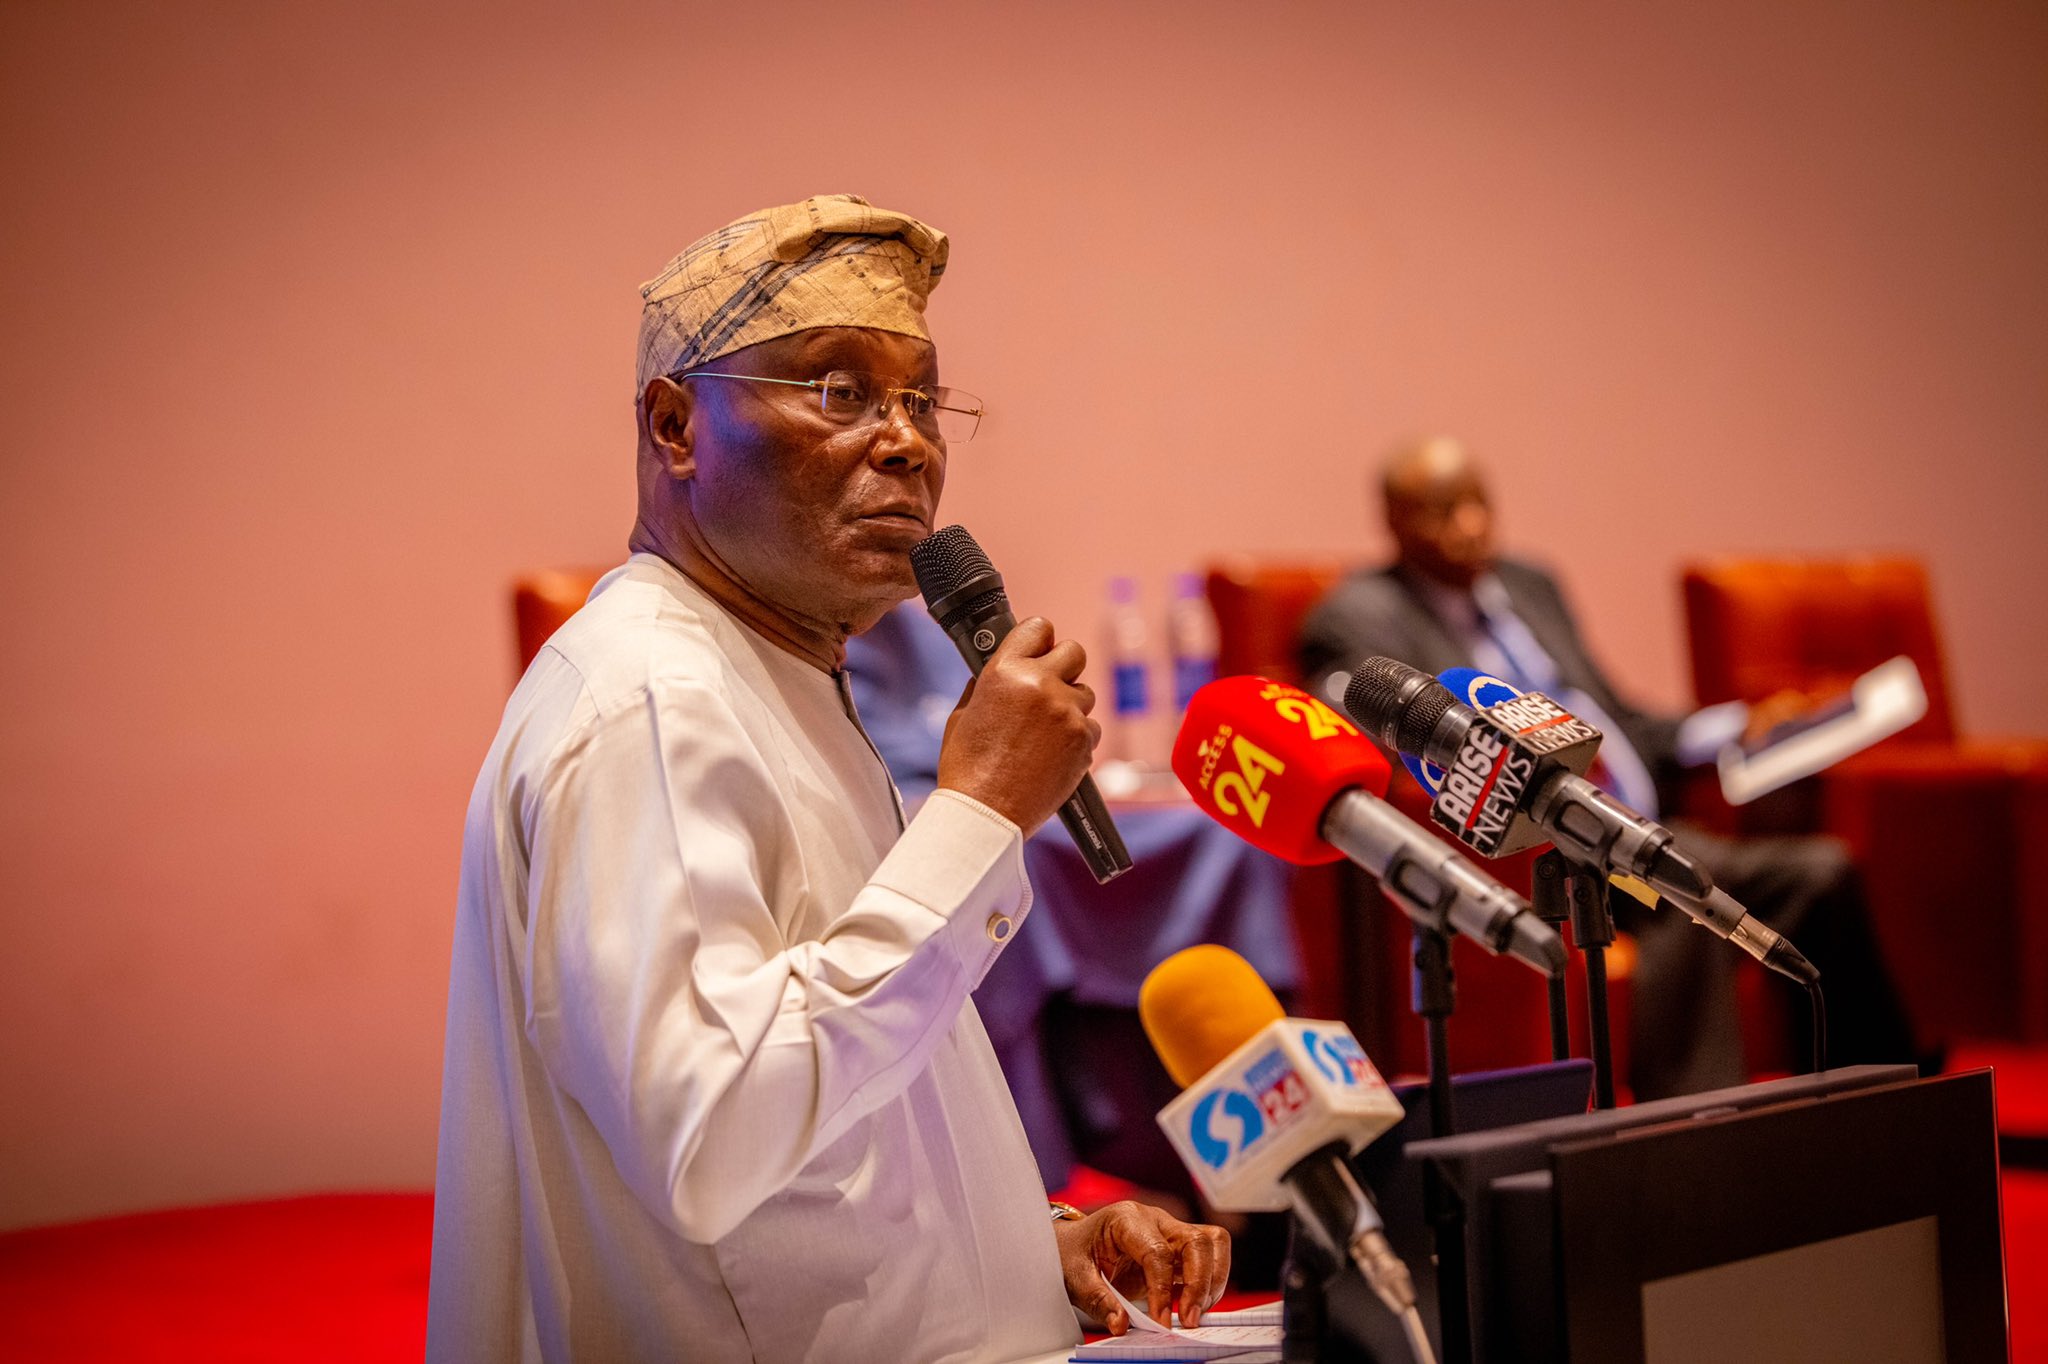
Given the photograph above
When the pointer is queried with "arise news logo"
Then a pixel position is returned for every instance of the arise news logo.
(1483, 787)
(1480, 796)
(1542, 725)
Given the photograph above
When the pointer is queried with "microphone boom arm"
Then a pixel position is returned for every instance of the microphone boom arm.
(1436, 887)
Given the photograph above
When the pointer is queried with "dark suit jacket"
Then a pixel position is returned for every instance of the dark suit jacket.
(1383, 611)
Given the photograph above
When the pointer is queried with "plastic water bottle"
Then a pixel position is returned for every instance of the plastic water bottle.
(1190, 640)
(1128, 736)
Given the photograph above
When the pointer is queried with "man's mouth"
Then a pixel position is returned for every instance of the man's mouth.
(899, 515)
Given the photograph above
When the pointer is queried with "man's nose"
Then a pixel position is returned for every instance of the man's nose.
(898, 443)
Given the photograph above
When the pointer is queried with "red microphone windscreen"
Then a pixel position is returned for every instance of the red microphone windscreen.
(1265, 760)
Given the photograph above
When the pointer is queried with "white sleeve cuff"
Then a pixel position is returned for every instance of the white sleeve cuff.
(965, 863)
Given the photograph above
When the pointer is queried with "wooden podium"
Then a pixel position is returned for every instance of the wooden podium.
(1847, 1216)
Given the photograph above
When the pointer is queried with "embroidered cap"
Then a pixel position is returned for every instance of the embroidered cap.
(831, 261)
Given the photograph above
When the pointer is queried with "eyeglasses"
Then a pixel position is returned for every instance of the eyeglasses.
(852, 397)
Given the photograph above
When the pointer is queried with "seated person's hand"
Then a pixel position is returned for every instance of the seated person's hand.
(1134, 1246)
(1780, 706)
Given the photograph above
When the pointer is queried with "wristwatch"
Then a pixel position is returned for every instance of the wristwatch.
(1064, 1212)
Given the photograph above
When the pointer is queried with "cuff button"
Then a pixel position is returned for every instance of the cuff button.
(999, 926)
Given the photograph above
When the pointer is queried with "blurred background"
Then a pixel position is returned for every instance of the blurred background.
(319, 329)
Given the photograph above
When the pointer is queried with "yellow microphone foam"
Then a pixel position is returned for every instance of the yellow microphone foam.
(1201, 1004)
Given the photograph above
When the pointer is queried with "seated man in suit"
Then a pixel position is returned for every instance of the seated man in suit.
(1448, 601)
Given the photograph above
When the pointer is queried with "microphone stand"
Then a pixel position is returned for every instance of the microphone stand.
(1551, 900)
(1304, 1297)
(1593, 925)
(1435, 995)
(1586, 892)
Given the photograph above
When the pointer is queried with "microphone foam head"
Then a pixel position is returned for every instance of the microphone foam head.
(1265, 760)
(948, 563)
(1477, 689)
(1397, 704)
(1201, 1004)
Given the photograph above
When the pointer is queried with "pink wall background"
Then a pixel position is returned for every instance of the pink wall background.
(318, 327)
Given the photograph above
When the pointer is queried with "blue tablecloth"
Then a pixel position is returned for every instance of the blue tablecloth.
(1191, 882)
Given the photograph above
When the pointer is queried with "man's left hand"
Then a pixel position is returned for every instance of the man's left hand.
(1132, 1246)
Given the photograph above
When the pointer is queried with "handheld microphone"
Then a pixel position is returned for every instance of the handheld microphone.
(1271, 1108)
(965, 595)
(1288, 774)
(1512, 777)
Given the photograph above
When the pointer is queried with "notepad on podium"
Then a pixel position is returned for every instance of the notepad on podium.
(1250, 1335)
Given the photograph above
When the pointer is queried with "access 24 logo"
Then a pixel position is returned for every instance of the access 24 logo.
(1244, 793)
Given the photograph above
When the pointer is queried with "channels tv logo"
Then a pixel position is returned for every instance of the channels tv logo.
(1231, 1119)
(1212, 1142)
(1338, 1056)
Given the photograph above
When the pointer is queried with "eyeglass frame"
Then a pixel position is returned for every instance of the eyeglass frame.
(889, 390)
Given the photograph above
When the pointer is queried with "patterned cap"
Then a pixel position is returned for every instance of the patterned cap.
(832, 261)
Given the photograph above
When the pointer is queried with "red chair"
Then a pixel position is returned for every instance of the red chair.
(542, 600)
(1949, 832)
(1259, 604)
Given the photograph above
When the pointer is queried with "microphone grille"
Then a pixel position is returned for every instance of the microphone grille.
(1397, 704)
(945, 561)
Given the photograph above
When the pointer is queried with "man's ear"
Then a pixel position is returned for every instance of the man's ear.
(666, 408)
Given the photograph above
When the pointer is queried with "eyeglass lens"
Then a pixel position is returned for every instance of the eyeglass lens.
(854, 395)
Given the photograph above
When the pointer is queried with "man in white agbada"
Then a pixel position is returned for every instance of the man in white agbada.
(714, 1087)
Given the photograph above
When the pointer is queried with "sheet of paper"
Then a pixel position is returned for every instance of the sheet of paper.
(1882, 702)
(1147, 1339)
(1258, 1314)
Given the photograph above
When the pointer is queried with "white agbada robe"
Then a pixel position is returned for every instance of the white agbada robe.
(714, 1087)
